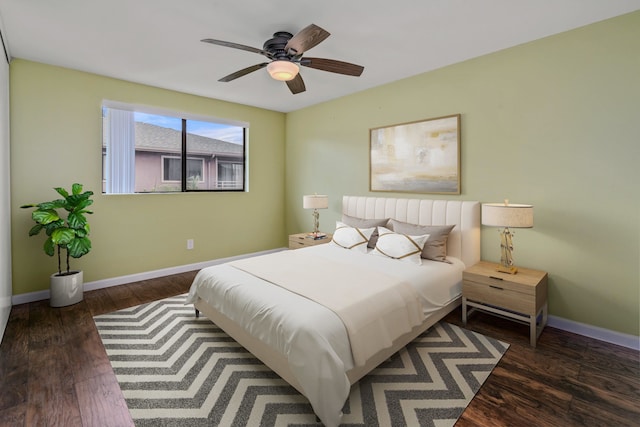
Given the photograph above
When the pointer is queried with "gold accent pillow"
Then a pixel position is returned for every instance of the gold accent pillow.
(351, 237)
(400, 246)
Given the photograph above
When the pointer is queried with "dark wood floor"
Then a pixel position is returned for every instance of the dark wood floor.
(54, 370)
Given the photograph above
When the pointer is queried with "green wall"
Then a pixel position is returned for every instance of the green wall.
(554, 123)
(56, 134)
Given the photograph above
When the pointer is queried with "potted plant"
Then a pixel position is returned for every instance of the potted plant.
(68, 234)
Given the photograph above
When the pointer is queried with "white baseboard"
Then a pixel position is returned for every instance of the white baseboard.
(121, 280)
(613, 337)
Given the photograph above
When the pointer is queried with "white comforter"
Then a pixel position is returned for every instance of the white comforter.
(311, 337)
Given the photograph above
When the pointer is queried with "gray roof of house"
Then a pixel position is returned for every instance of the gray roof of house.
(156, 138)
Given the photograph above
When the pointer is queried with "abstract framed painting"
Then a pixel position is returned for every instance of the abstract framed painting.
(416, 157)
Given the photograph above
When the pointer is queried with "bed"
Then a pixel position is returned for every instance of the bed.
(322, 351)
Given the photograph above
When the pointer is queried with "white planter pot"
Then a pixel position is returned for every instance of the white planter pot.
(66, 290)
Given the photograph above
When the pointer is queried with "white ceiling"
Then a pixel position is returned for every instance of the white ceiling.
(157, 42)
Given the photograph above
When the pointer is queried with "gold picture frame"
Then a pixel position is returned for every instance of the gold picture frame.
(416, 157)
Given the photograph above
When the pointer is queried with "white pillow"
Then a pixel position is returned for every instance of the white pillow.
(352, 237)
(400, 246)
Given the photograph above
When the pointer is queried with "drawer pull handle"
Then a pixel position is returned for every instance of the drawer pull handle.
(495, 278)
(496, 287)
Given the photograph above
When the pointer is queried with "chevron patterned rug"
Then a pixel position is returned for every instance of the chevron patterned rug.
(178, 370)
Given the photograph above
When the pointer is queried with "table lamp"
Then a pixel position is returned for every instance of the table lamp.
(507, 216)
(315, 202)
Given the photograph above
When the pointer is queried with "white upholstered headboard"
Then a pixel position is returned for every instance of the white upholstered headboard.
(464, 240)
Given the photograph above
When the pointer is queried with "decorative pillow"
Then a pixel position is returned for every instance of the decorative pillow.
(400, 246)
(436, 247)
(351, 237)
(352, 221)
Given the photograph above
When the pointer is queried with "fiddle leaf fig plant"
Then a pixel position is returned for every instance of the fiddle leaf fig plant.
(69, 234)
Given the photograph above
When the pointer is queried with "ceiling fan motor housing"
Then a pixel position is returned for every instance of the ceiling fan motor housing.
(275, 47)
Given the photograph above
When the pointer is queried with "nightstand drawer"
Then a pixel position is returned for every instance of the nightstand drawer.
(500, 296)
(297, 243)
(495, 280)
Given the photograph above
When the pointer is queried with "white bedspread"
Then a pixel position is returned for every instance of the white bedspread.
(311, 337)
(374, 307)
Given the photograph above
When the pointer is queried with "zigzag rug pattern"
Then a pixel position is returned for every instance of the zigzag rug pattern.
(178, 370)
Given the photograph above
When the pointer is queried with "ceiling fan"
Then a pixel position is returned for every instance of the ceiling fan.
(285, 52)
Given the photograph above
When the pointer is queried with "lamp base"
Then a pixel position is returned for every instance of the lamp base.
(509, 269)
(506, 258)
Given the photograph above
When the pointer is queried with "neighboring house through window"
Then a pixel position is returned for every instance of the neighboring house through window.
(148, 152)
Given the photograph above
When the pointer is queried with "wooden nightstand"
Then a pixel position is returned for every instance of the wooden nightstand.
(300, 240)
(521, 297)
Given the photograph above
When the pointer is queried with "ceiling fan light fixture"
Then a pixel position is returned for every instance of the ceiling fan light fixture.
(282, 70)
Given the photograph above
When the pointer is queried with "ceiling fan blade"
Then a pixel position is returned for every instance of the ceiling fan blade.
(243, 72)
(333, 66)
(296, 85)
(305, 39)
(234, 45)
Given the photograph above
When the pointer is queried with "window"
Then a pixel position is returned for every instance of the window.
(172, 169)
(229, 173)
(148, 151)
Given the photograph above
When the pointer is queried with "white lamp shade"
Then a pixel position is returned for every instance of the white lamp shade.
(283, 70)
(507, 215)
(315, 201)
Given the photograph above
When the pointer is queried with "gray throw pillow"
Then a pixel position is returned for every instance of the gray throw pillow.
(436, 247)
(352, 221)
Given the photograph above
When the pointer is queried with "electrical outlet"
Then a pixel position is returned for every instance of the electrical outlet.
(189, 243)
